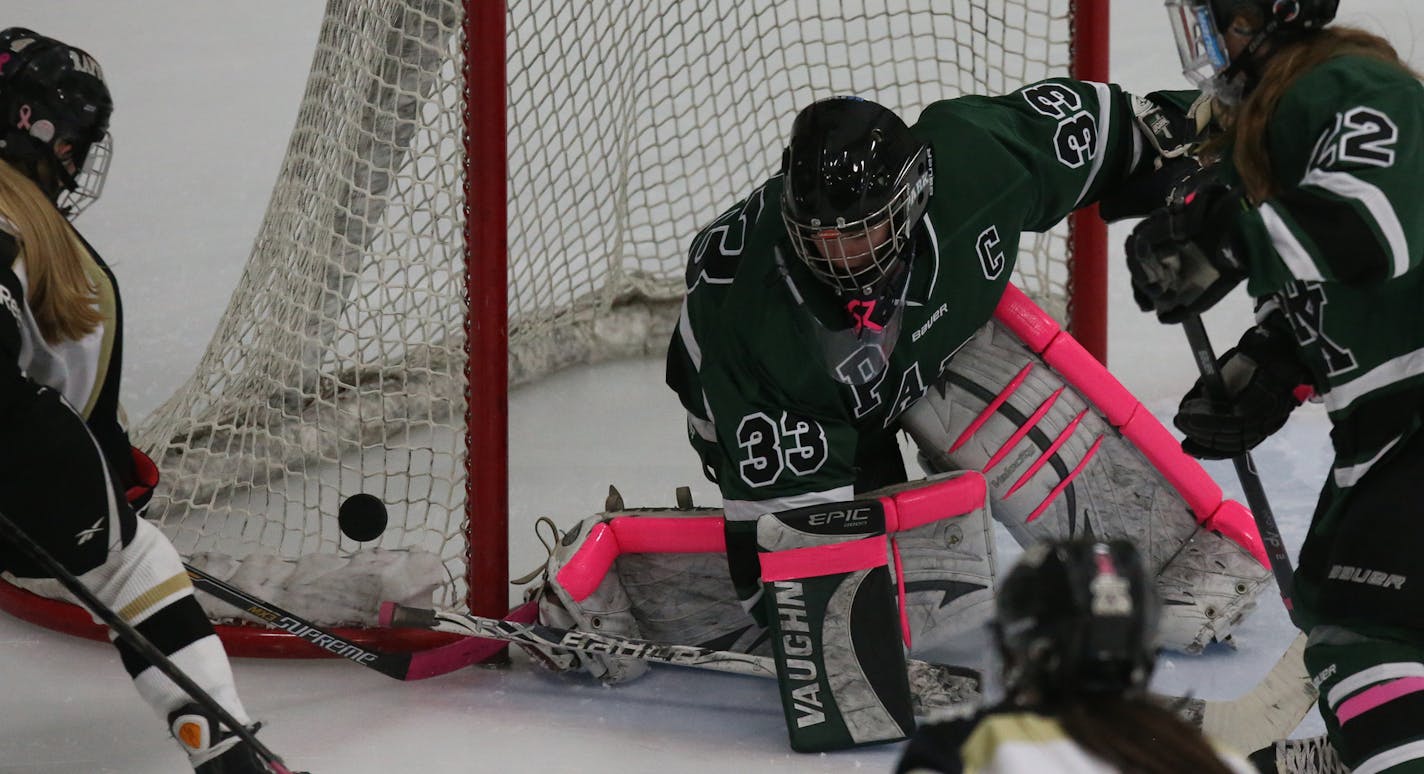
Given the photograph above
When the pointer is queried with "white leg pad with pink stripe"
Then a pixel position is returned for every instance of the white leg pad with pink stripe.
(1066, 450)
(661, 574)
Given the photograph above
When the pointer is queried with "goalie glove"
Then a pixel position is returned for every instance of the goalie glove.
(1261, 375)
(1187, 256)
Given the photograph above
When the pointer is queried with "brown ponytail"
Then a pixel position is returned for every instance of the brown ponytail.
(60, 294)
(1246, 124)
(1138, 736)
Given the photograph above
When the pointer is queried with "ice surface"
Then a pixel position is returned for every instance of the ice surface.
(206, 93)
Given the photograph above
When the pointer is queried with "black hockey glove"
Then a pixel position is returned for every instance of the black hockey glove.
(1261, 374)
(1185, 257)
(1169, 135)
(1147, 189)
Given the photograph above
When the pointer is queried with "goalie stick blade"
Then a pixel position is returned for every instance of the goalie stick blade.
(1271, 711)
(934, 686)
(1267, 713)
(467, 652)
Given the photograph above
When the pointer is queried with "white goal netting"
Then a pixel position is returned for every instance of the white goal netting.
(339, 364)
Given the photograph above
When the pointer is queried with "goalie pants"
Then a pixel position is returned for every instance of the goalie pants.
(59, 489)
(1360, 595)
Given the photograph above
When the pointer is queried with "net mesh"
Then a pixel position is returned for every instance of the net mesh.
(338, 365)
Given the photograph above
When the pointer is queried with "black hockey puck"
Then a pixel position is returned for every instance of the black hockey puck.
(362, 517)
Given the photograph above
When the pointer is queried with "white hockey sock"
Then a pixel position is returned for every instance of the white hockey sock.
(145, 583)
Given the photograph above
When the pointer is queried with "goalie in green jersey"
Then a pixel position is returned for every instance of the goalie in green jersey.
(853, 296)
(861, 292)
(1316, 203)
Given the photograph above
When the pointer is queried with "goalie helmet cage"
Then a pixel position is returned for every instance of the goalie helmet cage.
(566, 153)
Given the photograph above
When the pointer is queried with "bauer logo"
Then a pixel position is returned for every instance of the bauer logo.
(1386, 580)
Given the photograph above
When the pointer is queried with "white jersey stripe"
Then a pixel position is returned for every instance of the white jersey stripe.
(689, 339)
(1292, 252)
(1389, 372)
(1392, 757)
(1105, 108)
(1346, 477)
(751, 510)
(1375, 674)
(1351, 187)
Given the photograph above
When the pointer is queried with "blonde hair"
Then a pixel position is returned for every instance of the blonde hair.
(1246, 124)
(61, 296)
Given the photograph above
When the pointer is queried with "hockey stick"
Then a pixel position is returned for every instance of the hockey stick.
(36, 553)
(1268, 712)
(935, 686)
(1287, 689)
(1245, 468)
(418, 665)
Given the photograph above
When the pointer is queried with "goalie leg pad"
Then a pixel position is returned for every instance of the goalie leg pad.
(944, 557)
(1056, 466)
(588, 601)
(835, 626)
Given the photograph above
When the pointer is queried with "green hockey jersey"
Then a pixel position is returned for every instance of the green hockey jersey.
(779, 418)
(1339, 251)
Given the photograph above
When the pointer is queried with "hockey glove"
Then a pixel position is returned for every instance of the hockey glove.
(145, 479)
(1185, 257)
(1261, 375)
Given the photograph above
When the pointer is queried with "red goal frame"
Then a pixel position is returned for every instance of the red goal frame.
(487, 329)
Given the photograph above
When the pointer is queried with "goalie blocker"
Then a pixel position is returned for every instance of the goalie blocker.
(835, 627)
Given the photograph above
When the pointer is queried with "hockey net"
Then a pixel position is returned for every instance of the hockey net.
(340, 365)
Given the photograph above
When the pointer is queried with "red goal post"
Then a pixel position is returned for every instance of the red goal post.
(477, 193)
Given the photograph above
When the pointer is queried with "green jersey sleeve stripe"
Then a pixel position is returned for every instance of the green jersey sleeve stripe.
(1347, 476)
(1390, 372)
(1106, 104)
(1346, 242)
(688, 338)
(1296, 258)
(1350, 187)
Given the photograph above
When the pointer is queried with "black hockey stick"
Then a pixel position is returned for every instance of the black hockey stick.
(27, 545)
(1287, 691)
(401, 666)
(934, 686)
(1215, 388)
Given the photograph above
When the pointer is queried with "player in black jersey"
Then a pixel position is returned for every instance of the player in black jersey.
(1317, 204)
(69, 474)
(1076, 628)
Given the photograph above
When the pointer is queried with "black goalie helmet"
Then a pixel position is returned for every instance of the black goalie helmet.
(54, 116)
(1200, 28)
(1077, 617)
(857, 183)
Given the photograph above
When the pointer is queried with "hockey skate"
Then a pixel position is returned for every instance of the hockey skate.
(1313, 755)
(211, 749)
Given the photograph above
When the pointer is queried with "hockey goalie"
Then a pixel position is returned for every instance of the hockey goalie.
(859, 294)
